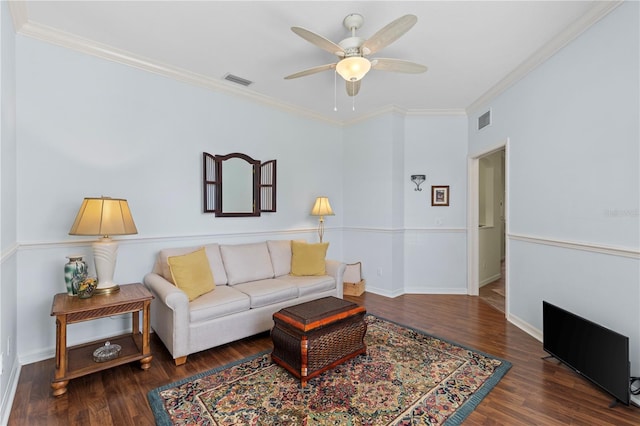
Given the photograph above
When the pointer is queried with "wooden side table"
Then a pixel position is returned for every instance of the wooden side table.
(78, 361)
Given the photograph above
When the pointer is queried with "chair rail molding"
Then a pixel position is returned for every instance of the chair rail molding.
(196, 238)
(573, 245)
(6, 254)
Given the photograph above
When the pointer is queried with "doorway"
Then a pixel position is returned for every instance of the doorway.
(487, 226)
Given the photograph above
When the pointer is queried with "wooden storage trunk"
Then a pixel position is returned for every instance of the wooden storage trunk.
(315, 336)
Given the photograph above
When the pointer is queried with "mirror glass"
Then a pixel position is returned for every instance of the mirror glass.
(237, 186)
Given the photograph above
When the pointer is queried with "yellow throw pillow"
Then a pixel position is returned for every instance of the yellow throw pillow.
(308, 259)
(191, 273)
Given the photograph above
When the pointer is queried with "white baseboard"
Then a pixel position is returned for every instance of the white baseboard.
(7, 398)
(435, 290)
(526, 327)
(490, 280)
(635, 400)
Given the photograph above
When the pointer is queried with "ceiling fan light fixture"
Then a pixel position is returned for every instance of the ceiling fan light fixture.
(353, 68)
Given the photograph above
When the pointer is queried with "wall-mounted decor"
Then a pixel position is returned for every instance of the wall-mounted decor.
(236, 185)
(440, 195)
(418, 180)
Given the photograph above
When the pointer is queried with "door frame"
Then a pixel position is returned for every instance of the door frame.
(473, 220)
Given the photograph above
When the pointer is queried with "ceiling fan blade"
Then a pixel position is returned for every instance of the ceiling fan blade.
(397, 65)
(389, 34)
(319, 41)
(310, 71)
(353, 87)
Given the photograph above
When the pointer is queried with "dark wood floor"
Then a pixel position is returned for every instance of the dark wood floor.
(534, 391)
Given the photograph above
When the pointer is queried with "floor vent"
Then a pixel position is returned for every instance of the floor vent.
(237, 80)
(484, 120)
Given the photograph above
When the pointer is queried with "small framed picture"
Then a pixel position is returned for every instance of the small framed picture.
(440, 195)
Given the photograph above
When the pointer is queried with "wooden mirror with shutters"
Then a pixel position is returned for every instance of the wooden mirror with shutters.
(236, 185)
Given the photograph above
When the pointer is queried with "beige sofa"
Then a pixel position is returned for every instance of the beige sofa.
(252, 282)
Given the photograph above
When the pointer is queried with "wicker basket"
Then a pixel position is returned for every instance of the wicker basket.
(354, 289)
(353, 281)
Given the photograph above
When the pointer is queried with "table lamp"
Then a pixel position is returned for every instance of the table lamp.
(104, 216)
(321, 208)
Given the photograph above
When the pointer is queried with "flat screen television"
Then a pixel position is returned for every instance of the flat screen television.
(596, 352)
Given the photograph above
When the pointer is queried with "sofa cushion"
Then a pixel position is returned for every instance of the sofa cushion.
(246, 262)
(280, 251)
(213, 254)
(268, 292)
(308, 259)
(224, 301)
(191, 273)
(311, 284)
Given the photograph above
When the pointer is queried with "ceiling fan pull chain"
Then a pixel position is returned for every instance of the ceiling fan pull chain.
(353, 98)
(335, 91)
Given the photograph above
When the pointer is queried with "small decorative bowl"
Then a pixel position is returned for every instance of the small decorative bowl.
(107, 352)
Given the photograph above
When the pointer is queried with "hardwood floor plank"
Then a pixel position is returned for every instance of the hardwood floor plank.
(533, 392)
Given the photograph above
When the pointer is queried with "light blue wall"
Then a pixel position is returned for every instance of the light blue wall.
(574, 177)
(8, 214)
(435, 236)
(90, 127)
(370, 225)
(405, 244)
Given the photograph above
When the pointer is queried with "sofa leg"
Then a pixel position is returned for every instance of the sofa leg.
(181, 361)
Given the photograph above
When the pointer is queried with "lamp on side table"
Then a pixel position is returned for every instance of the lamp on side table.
(104, 216)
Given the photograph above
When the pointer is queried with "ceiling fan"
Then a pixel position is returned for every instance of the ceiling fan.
(352, 51)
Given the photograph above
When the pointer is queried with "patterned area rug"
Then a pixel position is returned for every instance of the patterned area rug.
(407, 377)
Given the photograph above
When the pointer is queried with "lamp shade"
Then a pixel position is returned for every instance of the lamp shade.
(104, 216)
(322, 207)
(353, 68)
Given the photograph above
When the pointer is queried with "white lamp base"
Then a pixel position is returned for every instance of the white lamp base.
(105, 252)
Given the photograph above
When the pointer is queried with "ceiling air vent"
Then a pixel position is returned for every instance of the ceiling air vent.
(237, 80)
(484, 120)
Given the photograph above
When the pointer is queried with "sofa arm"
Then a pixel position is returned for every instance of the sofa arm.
(169, 314)
(336, 270)
(166, 292)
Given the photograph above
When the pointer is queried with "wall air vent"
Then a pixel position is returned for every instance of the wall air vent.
(484, 120)
(237, 80)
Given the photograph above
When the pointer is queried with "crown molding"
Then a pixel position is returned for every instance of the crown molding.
(597, 12)
(103, 51)
(408, 112)
(19, 13)
(436, 112)
(70, 41)
(23, 26)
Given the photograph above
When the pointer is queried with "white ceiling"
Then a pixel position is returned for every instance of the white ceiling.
(472, 48)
